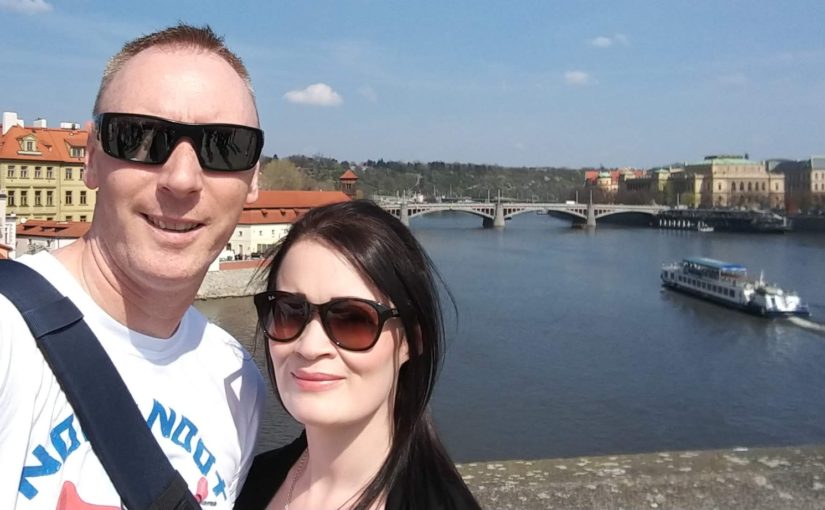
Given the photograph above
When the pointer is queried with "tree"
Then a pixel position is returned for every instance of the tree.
(283, 174)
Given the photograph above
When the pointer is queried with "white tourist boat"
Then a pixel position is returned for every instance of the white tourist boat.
(728, 284)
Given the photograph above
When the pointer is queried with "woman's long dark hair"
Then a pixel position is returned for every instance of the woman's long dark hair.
(417, 470)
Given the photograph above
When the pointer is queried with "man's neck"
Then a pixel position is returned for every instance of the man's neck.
(153, 310)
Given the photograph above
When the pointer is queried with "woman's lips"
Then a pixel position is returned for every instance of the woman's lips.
(315, 381)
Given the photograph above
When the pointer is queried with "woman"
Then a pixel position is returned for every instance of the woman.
(355, 338)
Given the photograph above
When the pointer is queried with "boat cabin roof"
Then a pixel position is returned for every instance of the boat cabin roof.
(715, 264)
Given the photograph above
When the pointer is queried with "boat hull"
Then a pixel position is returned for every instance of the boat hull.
(744, 307)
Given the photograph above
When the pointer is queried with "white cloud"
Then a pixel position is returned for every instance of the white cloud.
(602, 42)
(577, 78)
(605, 42)
(317, 94)
(26, 6)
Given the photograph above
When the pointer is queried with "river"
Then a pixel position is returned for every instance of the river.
(566, 345)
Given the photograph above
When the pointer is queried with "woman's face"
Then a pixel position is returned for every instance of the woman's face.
(320, 383)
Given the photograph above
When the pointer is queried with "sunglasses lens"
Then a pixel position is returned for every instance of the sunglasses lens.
(287, 318)
(353, 324)
(229, 148)
(139, 139)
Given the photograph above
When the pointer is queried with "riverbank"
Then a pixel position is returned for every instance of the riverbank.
(234, 282)
(752, 479)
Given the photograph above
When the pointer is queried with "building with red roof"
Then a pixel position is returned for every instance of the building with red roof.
(41, 170)
(36, 235)
(264, 222)
(348, 182)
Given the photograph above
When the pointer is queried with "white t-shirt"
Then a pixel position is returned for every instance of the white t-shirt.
(199, 391)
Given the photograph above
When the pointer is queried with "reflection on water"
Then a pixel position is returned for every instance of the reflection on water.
(565, 344)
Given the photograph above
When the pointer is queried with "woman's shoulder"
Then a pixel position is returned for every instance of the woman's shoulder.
(268, 472)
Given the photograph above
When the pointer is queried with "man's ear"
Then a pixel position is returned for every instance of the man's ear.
(252, 194)
(90, 176)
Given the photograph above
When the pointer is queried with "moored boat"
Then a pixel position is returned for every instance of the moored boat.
(728, 284)
(703, 227)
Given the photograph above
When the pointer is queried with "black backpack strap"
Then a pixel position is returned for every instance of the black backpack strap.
(110, 418)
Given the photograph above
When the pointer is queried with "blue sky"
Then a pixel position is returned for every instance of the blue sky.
(541, 83)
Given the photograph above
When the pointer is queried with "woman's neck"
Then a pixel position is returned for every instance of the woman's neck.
(341, 462)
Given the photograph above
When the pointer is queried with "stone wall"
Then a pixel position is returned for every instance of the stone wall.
(748, 479)
(230, 283)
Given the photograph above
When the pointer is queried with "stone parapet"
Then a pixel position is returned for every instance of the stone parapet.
(230, 283)
(747, 479)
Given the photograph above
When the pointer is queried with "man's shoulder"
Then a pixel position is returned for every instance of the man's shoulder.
(220, 347)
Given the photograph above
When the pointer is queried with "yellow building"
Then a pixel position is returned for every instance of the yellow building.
(732, 181)
(804, 184)
(41, 171)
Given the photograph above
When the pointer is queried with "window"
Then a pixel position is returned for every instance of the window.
(10, 172)
(24, 172)
(83, 218)
(49, 198)
(77, 152)
(68, 200)
(68, 174)
(80, 173)
(49, 172)
(37, 202)
(11, 198)
(38, 173)
(24, 198)
(69, 218)
(749, 186)
(82, 198)
(741, 186)
(29, 145)
(720, 186)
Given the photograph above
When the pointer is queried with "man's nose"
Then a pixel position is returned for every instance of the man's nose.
(182, 174)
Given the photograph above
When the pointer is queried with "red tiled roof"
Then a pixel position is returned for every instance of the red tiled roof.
(52, 144)
(269, 199)
(348, 175)
(56, 229)
(266, 216)
(276, 206)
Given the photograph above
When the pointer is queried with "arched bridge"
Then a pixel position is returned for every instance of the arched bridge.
(494, 214)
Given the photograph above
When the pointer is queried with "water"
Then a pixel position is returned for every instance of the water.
(566, 345)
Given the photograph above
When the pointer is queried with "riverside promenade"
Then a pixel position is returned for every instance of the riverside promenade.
(748, 479)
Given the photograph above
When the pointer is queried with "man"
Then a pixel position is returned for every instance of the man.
(174, 156)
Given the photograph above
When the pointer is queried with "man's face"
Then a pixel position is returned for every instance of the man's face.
(159, 224)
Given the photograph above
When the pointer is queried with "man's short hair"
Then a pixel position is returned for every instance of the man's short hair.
(181, 36)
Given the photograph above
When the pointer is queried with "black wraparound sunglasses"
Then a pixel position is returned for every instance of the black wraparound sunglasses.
(150, 140)
(351, 323)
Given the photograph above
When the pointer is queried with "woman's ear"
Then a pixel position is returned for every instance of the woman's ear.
(415, 343)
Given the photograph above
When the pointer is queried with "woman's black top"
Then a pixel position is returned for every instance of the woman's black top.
(269, 471)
